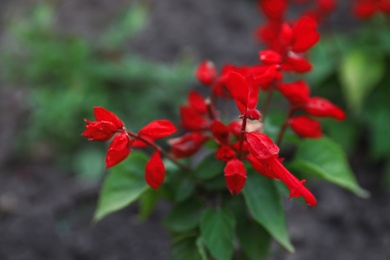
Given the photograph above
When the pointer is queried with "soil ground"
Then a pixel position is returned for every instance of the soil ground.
(46, 213)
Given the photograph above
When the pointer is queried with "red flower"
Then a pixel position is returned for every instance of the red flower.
(266, 152)
(322, 107)
(297, 93)
(99, 131)
(155, 130)
(155, 171)
(235, 176)
(306, 127)
(273, 9)
(187, 145)
(206, 72)
(105, 127)
(221, 133)
(194, 116)
(245, 93)
(118, 150)
(225, 153)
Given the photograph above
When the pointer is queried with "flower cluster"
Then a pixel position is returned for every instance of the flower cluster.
(237, 141)
(108, 125)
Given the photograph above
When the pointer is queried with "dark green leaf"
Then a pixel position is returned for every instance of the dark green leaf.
(325, 159)
(254, 240)
(147, 202)
(209, 168)
(217, 232)
(185, 247)
(184, 190)
(123, 185)
(184, 216)
(264, 204)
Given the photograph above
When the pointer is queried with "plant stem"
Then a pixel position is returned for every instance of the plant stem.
(161, 150)
(283, 128)
(242, 135)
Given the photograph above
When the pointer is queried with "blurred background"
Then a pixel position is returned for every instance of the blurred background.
(60, 58)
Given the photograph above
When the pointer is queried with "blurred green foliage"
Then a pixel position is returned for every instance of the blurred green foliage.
(66, 75)
(354, 72)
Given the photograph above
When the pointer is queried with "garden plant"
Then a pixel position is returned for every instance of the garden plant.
(225, 173)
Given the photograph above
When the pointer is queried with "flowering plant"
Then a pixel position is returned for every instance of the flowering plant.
(237, 156)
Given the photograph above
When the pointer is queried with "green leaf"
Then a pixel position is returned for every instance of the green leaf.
(184, 216)
(147, 202)
(217, 232)
(379, 129)
(209, 168)
(184, 190)
(325, 159)
(360, 72)
(254, 240)
(186, 247)
(124, 184)
(201, 248)
(264, 204)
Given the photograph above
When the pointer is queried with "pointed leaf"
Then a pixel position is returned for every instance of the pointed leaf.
(185, 247)
(123, 185)
(254, 240)
(264, 203)
(217, 232)
(325, 159)
(184, 216)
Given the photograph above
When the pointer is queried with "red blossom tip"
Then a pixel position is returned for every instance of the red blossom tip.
(155, 171)
(235, 176)
(206, 72)
(118, 150)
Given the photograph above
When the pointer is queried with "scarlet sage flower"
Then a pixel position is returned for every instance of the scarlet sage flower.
(273, 9)
(118, 150)
(245, 94)
(322, 107)
(206, 73)
(155, 171)
(194, 117)
(305, 127)
(225, 153)
(154, 130)
(298, 93)
(266, 152)
(235, 176)
(104, 128)
(187, 144)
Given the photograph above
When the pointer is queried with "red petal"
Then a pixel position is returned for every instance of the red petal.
(221, 133)
(364, 10)
(187, 145)
(225, 153)
(261, 146)
(157, 129)
(270, 57)
(297, 92)
(118, 150)
(305, 34)
(99, 131)
(260, 167)
(206, 72)
(322, 107)
(238, 87)
(235, 176)
(287, 34)
(102, 114)
(197, 102)
(306, 127)
(155, 171)
(273, 9)
(296, 187)
(191, 120)
(297, 64)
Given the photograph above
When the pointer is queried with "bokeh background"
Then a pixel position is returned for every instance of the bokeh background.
(60, 58)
